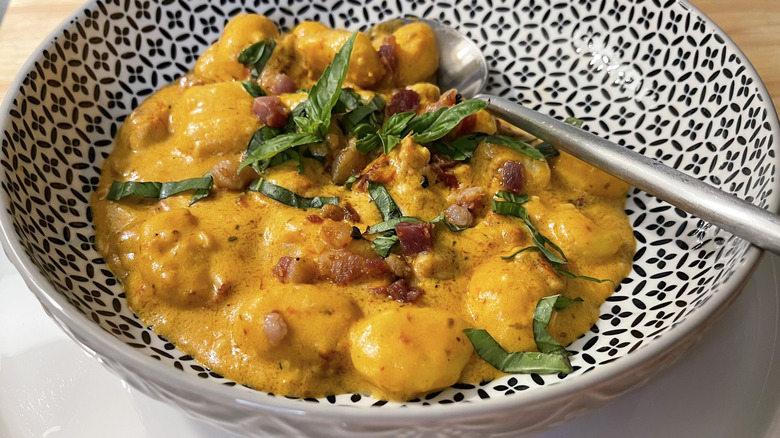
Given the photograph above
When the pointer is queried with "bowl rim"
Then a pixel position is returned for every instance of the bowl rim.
(103, 344)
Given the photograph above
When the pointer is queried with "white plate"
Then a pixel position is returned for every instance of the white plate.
(728, 385)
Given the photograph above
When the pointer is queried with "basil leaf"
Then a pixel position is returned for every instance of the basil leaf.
(511, 197)
(276, 145)
(542, 314)
(298, 111)
(287, 197)
(252, 88)
(424, 121)
(325, 93)
(443, 219)
(348, 101)
(525, 362)
(513, 207)
(448, 120)
(384, 202)
(392, 129)
(547, 150)
(256, 56)
(389, 225)
(516, 145)
(568, 274)
(384, 244)
(351, 180)
(371, 114)
(368, 143)
(574, 121)
(158, 190)
(511, 256)
(261, 136)
(462, 148)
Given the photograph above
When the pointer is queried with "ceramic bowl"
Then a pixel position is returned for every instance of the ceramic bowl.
(655, 76)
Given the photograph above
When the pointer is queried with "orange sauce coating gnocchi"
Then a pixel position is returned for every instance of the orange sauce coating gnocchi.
(296, 301)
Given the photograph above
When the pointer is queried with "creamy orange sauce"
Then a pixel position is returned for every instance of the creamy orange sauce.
(203, 275)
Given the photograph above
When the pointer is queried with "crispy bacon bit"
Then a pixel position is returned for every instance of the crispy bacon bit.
(350, 213)
(332, 212)
(472, 198)
(271, 111)
(446, 99)
(313, 218)
(387, 53)
(402, 101)
(282, 84)
(295, 270)
(415, 237)
(343, 267)
(440, 165)
(513, 177)
(458, 215)
(274, 328)
(399, 291)
(226, 176)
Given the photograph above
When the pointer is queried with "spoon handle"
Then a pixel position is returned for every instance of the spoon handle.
(739, 217)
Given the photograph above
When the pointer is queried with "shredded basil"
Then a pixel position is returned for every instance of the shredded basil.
(462, 148)
(348, 101)
(574, 121)
(512, 206)
(443, 219)
(384, 244)
(288, 197)
(388, 136)
(364, 119)
(351, 180)
(383, 201)
(542, 315)
(252, 88)
(557, 269)
(256, 56)
(160, 190)
(511, 256)
(389, 225)
(552, 356)
(445, 120)
(525, 362)
(276, 145)
(325, 93)
(547, 150)
(516, 145)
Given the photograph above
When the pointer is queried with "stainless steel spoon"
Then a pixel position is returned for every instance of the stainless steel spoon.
(463, 67)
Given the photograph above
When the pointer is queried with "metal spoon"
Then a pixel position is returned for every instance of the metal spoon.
(463, 67)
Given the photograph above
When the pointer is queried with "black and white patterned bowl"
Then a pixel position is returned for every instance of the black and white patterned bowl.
(656, 75)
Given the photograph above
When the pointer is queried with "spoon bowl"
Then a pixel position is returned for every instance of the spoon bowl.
(464, 68)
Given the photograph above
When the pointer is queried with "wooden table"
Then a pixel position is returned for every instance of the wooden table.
(753, 24)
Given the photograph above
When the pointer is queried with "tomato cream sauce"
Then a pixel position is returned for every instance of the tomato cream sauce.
(296, 301)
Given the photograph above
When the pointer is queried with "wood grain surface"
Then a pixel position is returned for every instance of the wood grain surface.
(753, 24)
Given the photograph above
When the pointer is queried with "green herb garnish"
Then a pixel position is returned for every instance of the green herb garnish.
(383, 201)
(276, 145)
(512, 206)
(256, 56)
(388, 136)
(252, 88)
(325, 93)
(516, 145)
(384, 244)
(552, 356)
(160, 190)
(287, 197)
(557, 269)
(445, 120)
(462, 148)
